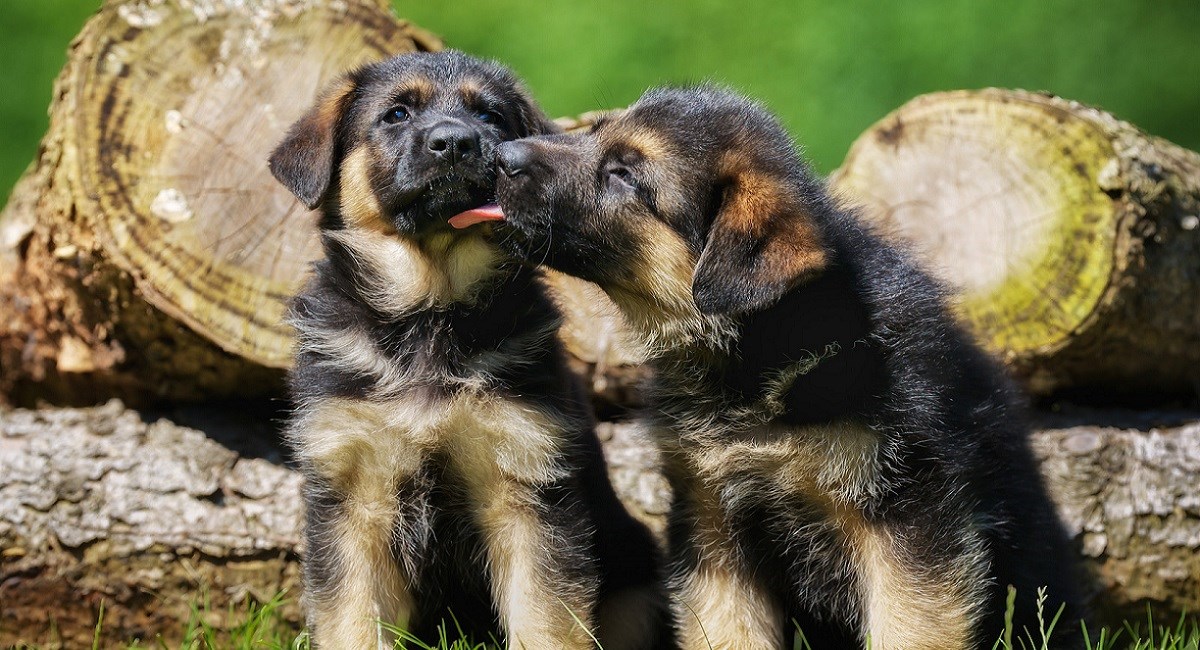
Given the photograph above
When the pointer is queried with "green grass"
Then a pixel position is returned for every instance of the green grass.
(829, 68)
(261, 626)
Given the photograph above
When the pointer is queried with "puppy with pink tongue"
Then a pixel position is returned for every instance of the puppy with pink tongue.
(453, 478)
(488, 212)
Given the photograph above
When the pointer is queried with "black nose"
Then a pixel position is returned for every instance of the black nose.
(453, 142)
(515, 158)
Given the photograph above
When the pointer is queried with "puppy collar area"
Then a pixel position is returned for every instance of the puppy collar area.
(487, 212)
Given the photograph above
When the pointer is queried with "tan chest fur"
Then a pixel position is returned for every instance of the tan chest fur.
(836, 464)
(485, 439)
(400, 276)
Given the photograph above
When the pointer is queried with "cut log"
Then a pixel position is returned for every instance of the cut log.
(97, 505)
(107, 504)
(1072, 237)
(100, 505)
(1126, 486)
(148, 253)
(601, 348)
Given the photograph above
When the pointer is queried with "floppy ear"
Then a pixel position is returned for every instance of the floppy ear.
(762, 243)
(532, 120)
(303, 162)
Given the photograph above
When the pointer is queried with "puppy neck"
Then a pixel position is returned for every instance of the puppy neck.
(656, 300)
(396, 275)
(669, 328)
(813, 357)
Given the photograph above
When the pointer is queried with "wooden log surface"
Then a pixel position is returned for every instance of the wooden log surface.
(108, 504)
(1072, 237)
(148, 252)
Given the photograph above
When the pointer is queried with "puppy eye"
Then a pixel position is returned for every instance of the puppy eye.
(397, 115)
(621, 175)
(488, 117)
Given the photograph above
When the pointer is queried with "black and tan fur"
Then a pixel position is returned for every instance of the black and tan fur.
(841, 454)
(452, 472)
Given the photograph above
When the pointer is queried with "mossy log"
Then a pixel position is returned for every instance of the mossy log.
(147, 252)
(146, 515)
(1072, 237)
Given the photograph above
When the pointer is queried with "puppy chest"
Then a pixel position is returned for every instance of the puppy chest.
(828, 465)
(482, 438)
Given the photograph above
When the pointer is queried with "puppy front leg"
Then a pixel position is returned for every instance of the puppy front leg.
(720, 606)
(352, 581)
(945, 596)
(542, 578)
(716, 600)
(352, 473)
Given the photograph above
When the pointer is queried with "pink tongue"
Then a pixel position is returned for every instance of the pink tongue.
(489, 212)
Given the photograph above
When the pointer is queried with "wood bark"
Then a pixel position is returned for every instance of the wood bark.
(1072, 237)
(144, 514)
(147, 252)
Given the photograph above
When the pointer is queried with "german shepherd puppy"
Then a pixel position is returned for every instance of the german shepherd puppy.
(842, 456)
(452, 472)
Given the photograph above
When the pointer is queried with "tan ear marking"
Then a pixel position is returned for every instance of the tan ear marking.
(763, 241)
(751, 198)
(333, 101)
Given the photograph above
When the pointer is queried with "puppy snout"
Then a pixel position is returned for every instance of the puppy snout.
(515, 158)
(453, 142)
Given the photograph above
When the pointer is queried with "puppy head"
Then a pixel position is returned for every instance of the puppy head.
(403, 145)
(691, 200)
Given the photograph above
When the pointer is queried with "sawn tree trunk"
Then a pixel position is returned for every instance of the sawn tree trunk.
(148, 253)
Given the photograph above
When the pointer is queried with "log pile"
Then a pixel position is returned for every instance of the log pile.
(148, 255)
(97, 505)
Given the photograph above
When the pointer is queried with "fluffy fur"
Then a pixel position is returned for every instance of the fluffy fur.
(841, 454)
(452, 473)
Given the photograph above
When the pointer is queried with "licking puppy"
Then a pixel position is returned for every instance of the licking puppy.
(841, 455)
(452, 475)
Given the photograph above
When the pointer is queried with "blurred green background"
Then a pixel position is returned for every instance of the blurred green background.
(829, 67)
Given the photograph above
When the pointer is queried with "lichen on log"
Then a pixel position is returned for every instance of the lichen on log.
(1071, 237)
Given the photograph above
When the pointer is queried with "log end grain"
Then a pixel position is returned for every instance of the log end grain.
(1060, 227)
